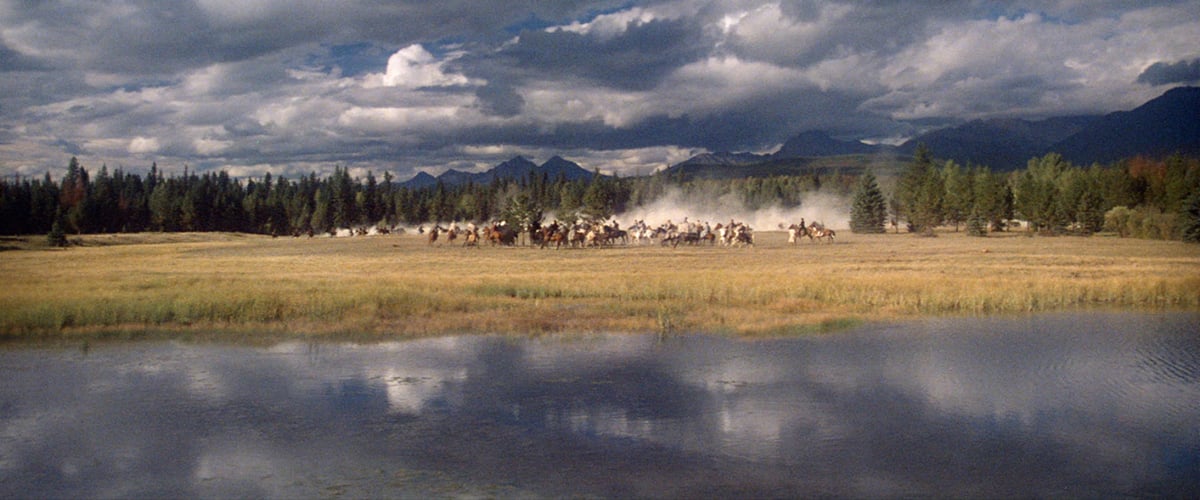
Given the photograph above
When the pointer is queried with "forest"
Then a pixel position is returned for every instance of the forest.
(1137, 197)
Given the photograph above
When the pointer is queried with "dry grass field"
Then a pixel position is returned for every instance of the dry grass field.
(399, 286)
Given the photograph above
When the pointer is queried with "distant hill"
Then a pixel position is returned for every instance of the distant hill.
(1002, 143)
(722, 159)
(1164, 125)
(695, 168)
(569, 170)
(421, 180)
(812, 152)
(819, 143)
(516, 168)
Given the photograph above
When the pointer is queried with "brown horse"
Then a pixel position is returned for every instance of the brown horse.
(820, 232)
(500, 235)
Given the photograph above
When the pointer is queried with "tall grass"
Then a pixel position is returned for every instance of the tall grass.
(399, 286)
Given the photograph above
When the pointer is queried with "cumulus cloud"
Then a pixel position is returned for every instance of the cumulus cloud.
(415, 67)
(409, 86)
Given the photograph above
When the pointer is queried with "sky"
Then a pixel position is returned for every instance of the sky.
(298, 86)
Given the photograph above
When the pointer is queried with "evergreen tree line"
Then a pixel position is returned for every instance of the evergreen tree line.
(1138, 197)
(117, 201)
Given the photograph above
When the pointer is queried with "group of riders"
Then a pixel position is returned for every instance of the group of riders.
(587, 233)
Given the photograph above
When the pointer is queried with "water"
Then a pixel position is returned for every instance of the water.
(1095, 405)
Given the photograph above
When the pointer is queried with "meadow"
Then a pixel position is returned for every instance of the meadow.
(398, 286)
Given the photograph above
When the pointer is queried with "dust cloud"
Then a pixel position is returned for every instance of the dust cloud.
(831, 210)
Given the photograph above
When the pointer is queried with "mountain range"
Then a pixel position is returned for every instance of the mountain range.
(1164, 125)
(516, 168)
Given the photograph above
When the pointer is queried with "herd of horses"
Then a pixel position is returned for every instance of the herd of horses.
(594, 234)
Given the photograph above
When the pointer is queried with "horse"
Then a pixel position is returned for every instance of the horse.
(613, 235)
(795, 232)
(501, 235)
(820, 232)
(594, 238)
(508, 237)
(743, 236)
(471, 239)
(557, 237)
(544, 234)
(640, 232)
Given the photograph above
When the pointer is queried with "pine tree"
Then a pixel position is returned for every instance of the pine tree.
(1191, 219)
(57, 237)
(598, 199)
(342, 197)
(322, 216)
(929, 211)
(1089, 213)
(368, 208)
(1038, 196)
(960, 196)
(522, 212)
(164, 207)
(976, 224)
(921, 192)
(868, 213)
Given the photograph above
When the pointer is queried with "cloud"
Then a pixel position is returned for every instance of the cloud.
(800, 34)
(1161, 73)
(636, 56)
(500, 100)
(142, 145)
(414, 67)
(13, 61)
(408, 86)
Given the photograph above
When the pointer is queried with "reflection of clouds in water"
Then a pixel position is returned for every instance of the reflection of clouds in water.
(16, 434)
(753, 426)
(750, 415)
(876, 411)
(1078, 383)
(1023, 370)
(228, 467)
(565, 354)
(614, 422)
(409, 390)
(411, 373)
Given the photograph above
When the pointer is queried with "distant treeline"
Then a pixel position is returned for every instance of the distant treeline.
(1154, 198)
(117, 201)
(1138, 197)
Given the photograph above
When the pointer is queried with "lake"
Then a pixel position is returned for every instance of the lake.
(1061, 405)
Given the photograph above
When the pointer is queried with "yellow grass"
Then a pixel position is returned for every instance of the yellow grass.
(398, 286)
